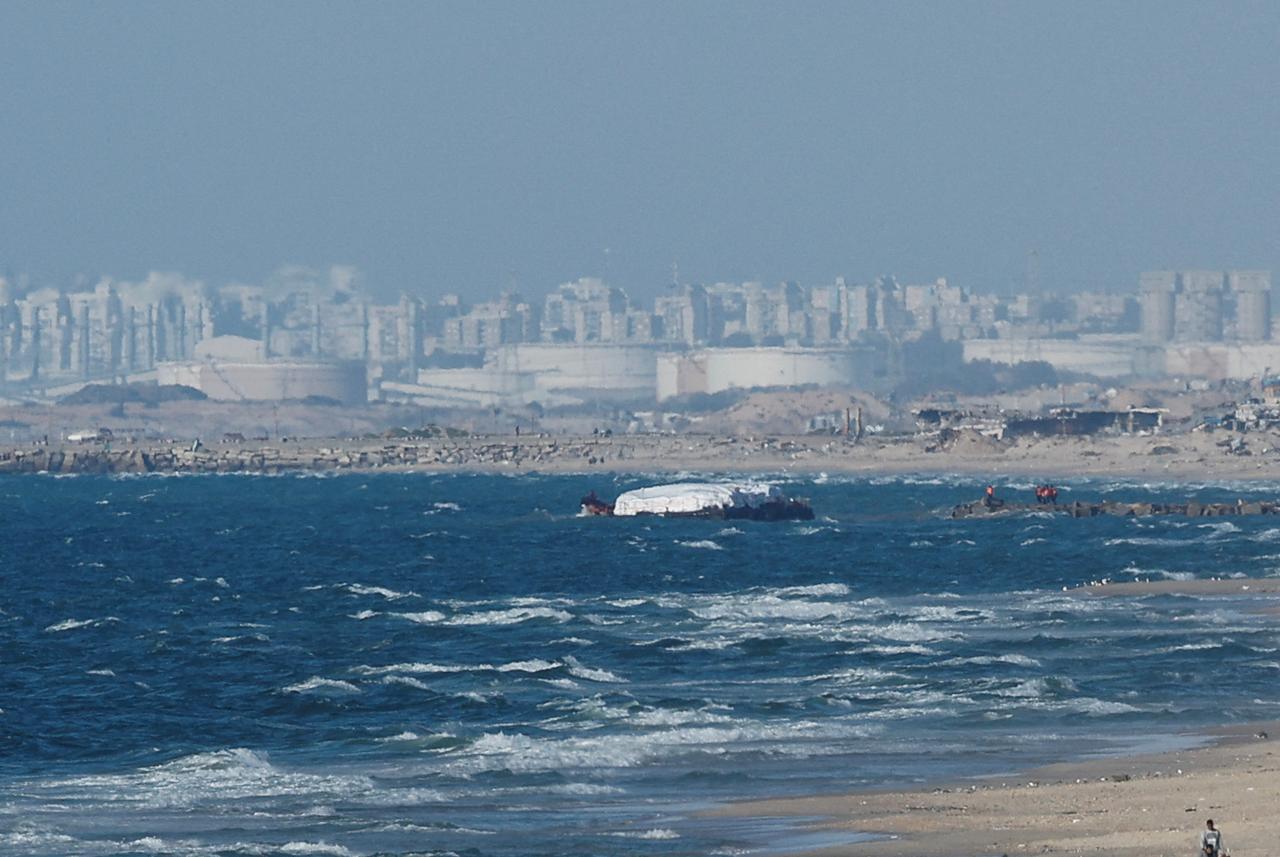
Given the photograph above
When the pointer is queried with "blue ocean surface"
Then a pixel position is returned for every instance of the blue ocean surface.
(459, 664)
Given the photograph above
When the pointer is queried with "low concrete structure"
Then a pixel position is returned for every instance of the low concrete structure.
(1218, 361)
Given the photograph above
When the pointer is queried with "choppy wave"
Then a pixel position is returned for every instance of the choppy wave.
(345, 693)
(315, 684)
(389, 594)
(74, 624)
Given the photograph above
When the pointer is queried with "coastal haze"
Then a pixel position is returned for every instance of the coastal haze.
(475, 263)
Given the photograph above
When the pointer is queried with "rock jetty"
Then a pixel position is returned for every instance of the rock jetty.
(1079, 509)
(299, 457)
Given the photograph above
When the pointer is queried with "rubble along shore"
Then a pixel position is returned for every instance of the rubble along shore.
(487, 454)
(1081, 509)
(1197, 457)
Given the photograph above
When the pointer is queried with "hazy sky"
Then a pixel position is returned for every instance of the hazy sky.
(451, 147)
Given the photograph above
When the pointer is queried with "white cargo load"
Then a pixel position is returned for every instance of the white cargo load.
(689, 498)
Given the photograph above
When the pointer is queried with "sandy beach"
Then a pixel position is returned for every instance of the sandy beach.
(1145, 805)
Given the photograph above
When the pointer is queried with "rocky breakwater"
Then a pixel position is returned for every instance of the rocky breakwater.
(1080, 509)
(467, 453)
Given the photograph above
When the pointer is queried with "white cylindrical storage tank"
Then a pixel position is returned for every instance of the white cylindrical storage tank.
(271, 381)
(747, 368)
(592, 371)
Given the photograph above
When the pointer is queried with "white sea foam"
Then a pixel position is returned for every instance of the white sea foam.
(589, 673)
(316, 848)
(767, 606)
(855, 675)
(1037, 687)
(1221, 528)
(534, 665)
(1190, 647)
(365, 614)
(703, 544)
(524, 754)
(403, 736)
(190, 781)
(73, 624)
(1140, 573)
(104, 672)
(513, 616)
(989, 660)
(428, 617)
(28, 838)
(408, 681)
(655, 833)
(562, 683)
(900, 650)
(817, 590)
(389, 594)
(315, 684)
(702, 645)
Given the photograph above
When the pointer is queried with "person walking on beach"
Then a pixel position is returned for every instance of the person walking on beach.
(1210, 840)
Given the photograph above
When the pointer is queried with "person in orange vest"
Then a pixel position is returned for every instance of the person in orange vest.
(990, 498)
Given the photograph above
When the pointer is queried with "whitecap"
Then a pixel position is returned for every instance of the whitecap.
(513, 616)
(990, 660)
(73, 624)
(316, 848)
(589, 673)
(655, 833)
(534, 665)
(425, 618)
(403, 736)
(315, 683)
(389, 594)
(817, 590)
(701, 544)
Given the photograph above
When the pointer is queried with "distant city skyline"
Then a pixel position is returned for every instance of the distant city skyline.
(450, 147)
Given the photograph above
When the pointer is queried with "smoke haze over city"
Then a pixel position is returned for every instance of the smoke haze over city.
(454, 148)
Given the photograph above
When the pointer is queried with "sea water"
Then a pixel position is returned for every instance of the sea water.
(433, 664)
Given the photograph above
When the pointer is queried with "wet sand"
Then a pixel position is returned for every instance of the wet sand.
(1140, 806)
(1129, 806)
(1244, 586)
